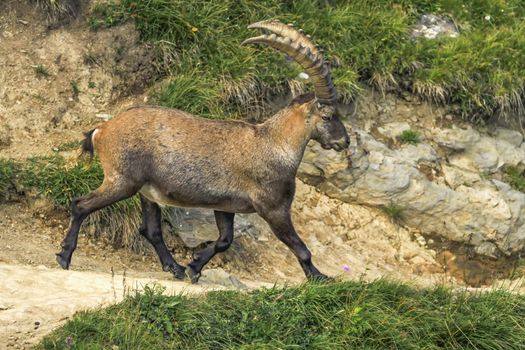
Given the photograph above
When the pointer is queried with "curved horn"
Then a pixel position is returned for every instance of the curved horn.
(301, 52)
(288, 31)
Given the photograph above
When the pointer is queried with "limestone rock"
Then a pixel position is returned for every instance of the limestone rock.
(394, 129)
(456, 139)
(460, 205)
(197, 226)
(220, 277)
(513, 137)
(431, 26)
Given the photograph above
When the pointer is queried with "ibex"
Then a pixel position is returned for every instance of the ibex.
(177, 159)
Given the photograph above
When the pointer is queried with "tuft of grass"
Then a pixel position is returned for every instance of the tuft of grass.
(481, 72)
(393, 211)
(344, 315)
(8, 171)
(75, 89)
(106, 15)
(409, 136)
(92, 84)
(91, 59)
(41, 71)
(59, 9)
(515, 177)
(485, 175)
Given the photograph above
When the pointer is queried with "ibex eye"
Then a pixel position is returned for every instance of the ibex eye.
(326, 117)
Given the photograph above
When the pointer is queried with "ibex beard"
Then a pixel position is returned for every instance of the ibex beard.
(177, 159)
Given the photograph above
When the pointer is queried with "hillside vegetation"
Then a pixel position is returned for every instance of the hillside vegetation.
(482, 72)
(349, 315)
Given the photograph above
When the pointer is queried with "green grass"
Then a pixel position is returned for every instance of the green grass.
(41, 71)
(344, 315)
(409, 136)
(75, 89)
(482, 73)
(8, 171)
(105, 16)
(515, 177)
(393, 211)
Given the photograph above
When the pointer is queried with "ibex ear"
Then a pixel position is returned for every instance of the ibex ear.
(302, 99)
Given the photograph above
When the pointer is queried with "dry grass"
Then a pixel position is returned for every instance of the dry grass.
(59, 9)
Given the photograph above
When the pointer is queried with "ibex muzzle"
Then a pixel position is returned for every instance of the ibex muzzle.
(174, 158)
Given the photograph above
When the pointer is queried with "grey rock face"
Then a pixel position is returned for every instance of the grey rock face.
(220, 277)
(431, 26)
(457, 203)
(197, 226)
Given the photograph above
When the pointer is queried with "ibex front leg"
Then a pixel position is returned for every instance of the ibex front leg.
(224, 222)
(281, 224)
(151, 229)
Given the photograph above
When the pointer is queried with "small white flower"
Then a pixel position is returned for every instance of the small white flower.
(488, 18)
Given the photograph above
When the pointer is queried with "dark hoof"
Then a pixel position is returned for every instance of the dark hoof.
(320, 279)
(64, 263)
(192, 275)
(177, 271)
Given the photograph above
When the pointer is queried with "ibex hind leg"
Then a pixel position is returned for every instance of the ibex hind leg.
(108, 193)
(224, 223)
(281, 224)
(151, 230)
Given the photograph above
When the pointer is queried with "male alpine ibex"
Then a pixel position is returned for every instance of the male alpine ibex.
(174, 158)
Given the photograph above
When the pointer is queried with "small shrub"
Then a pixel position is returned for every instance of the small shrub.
(41, 71)
(393, 211)
(409, 136)
(8, 170)
(74, 88)
(92, 85)
(485, 175)
(515, 177)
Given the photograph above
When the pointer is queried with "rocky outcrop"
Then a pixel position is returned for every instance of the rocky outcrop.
(431, 26)
(444, 184)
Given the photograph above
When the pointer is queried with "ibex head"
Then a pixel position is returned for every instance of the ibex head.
(322, 117)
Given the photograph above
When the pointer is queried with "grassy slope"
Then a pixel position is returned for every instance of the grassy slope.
(482, 71)
(349, 315)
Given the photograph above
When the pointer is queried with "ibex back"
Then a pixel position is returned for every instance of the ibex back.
(174, 158)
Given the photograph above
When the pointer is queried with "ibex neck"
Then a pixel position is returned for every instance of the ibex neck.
(288, 135)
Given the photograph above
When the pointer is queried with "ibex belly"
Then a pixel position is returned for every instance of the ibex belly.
(234, 205)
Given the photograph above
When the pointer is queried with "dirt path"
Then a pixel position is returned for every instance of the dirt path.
(35, 300)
